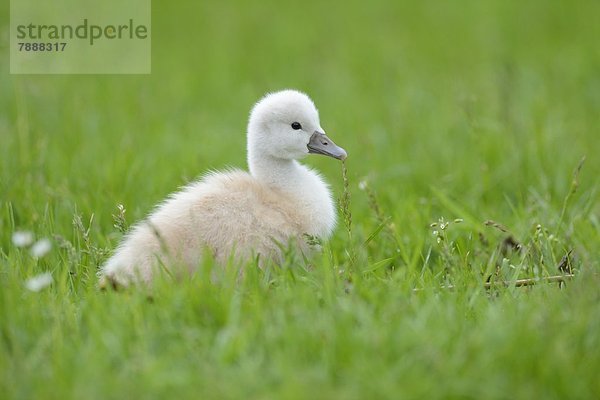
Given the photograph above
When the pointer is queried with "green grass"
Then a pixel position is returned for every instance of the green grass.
(479, 111)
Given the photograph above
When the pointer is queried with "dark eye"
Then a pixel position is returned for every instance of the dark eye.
(296, 126)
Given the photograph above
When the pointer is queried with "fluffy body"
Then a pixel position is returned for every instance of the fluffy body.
(235, 213)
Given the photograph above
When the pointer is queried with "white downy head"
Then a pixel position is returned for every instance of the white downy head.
(285, 126)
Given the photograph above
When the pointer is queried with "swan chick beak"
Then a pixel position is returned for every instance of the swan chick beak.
(319, 143)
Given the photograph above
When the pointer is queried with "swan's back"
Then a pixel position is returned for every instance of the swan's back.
(233, 213)
(229, 213)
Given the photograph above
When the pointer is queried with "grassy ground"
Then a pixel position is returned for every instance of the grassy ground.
(473, 110)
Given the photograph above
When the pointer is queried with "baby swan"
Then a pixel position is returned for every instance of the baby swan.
(236, 213)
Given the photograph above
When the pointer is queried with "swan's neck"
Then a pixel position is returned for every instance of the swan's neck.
(312, 195)
(277, 172)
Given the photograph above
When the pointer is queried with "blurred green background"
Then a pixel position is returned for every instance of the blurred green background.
(480, 110)
(483, 99)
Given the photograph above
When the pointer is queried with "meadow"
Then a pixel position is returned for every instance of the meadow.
(472, 129)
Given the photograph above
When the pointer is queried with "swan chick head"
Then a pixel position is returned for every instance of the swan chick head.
(286, 125)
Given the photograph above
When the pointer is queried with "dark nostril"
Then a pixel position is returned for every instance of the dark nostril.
(325, 143)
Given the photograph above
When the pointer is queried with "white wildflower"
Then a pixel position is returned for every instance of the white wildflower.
(22, 238)
(39, 282)
(362, 185)
(41, 248)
